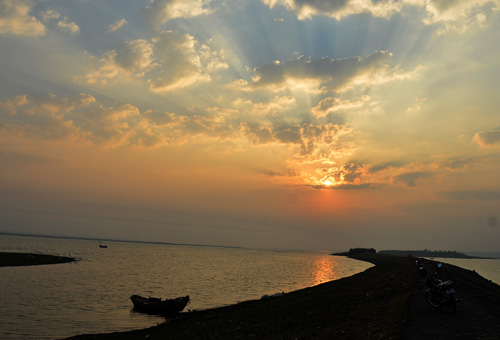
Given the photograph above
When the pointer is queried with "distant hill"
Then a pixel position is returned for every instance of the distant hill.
(429, 253)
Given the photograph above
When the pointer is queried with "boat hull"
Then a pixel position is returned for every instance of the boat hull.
(157, 306)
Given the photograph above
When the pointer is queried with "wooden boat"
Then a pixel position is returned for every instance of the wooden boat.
(159, 306)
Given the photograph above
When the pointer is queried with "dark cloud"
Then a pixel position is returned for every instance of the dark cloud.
(332, 73)
(132, 56)
(488, 138)
(338, 8)
(274, 174)
(343, 186)
(454, 164)
(376, 168)
(307, 135)
(410, 178)
(160, 118)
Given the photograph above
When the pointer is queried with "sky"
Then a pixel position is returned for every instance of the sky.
(289, 124)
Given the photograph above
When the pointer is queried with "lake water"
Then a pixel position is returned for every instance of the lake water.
(487, 268)
(92, 295)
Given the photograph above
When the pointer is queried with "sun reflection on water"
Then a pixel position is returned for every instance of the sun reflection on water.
(324, 270)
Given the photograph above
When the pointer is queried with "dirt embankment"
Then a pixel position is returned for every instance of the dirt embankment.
(384, 302)
(478, 312)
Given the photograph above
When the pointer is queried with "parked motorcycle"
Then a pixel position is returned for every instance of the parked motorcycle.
(440, 293)
(421, 269)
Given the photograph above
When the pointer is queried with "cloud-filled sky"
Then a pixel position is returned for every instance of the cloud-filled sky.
(310, 124)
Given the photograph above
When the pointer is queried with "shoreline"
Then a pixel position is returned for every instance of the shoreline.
(383, 302)
(339, 309)
(10, 259)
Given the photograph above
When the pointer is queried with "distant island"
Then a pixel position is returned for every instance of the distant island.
(28, 259)
(451, 254)
(412, 253)
(356, 251)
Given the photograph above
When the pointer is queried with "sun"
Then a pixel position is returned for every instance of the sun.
(328, 182)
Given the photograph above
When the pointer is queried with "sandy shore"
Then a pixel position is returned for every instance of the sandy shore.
(384, 302)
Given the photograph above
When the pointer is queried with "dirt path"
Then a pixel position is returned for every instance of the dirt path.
(478, 312)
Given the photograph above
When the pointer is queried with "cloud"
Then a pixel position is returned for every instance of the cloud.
(117, 25)
(182, 61)
(78, 119)
(453, 164)
(313, 143)
(347, 176)
(10, 106)
(343, 186)
(328, 75)
(50, 15)
(457, 10)
(44, 118)
(450, 14)
(28, 110)
(333, 104)
(260, 110)
(131, 58)
(338, 9)
(15, 19)
(160, 11)
(111, 126)
(67, 26)
(169, 61)
(410, 178)
(81, 119)
(381, 167)
(489, 138)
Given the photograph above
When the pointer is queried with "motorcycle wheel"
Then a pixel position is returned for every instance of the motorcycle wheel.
(434, 298)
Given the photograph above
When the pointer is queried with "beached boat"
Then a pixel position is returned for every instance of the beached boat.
(159, 306)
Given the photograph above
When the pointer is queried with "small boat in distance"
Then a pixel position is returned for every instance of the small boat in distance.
(168, 307)
(103, 246)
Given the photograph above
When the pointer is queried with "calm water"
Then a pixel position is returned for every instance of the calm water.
(487, 268)
(92, 295)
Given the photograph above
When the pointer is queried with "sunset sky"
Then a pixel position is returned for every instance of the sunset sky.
(293, 124)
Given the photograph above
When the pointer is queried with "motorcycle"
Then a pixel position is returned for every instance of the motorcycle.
(440, 293)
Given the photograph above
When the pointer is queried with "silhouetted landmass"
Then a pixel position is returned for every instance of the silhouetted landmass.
(429, 253)
(28, 259)
(356, 251)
